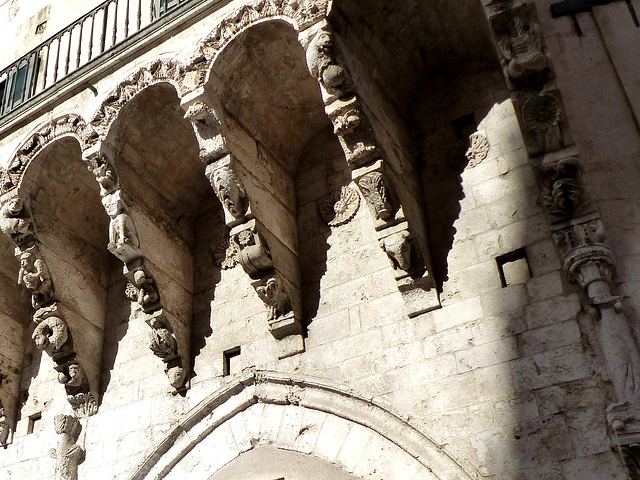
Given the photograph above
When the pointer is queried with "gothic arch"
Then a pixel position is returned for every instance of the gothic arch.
(267, 408)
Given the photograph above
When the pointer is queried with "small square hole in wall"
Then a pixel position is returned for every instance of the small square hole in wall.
(513, 267)
(231, 362)
(35, 423)
(40, 28)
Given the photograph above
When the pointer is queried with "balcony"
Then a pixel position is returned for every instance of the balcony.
(82, 45)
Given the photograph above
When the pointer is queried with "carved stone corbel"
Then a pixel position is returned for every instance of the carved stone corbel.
(164, 345)
(15, 221)
(68, 455)
(229, 189)
(124, 243)
(379, 195)
(206, 126)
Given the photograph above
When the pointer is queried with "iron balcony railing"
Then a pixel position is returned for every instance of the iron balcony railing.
(84, 40)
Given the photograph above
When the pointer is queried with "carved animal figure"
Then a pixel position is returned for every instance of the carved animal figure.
(51, 331)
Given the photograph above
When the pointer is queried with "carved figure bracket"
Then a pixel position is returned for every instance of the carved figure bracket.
(229, 190)
(68, 455)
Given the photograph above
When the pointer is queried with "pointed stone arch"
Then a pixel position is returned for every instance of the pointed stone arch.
(307, 416)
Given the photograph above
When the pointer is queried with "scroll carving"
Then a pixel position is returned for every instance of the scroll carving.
(52, 331)
(68, 455)
(253, 252)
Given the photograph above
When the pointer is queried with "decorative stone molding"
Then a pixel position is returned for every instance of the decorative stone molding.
(225, 255)
(312, 399)
(159, 71)
(66, 126)
(300, 13)
(68, 455)
(339, 207)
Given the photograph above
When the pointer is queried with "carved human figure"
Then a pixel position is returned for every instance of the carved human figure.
(229, 190)
(106, 177)
(322, 63)
(68, 455)
(122, 230)
(15, 222)
(50, 331)
(146, 286)
(35, 277)
(522, 49)
(398, 247)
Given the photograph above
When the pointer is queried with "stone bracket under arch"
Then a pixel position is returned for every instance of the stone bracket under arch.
(251, 408)
(381, 176)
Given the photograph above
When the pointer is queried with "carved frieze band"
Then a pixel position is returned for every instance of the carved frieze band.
(51, 333)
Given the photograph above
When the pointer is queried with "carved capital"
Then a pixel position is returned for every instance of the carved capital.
(379, 195)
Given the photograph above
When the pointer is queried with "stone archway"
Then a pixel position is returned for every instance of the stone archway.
(309, 417)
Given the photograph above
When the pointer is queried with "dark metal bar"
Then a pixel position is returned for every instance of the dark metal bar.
(139, 14)
(68, 60)
(79, 46)
(46, 67)
(115, 24)
(55, 69)
(103, 37)
(93, 22)
(126, 21)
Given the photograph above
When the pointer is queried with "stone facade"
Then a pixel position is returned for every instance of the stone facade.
(339, 239)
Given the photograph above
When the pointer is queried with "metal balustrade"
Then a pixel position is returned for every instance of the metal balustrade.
(84, 40)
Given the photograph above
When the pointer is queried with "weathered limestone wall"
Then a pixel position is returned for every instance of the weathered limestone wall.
(508, 376)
